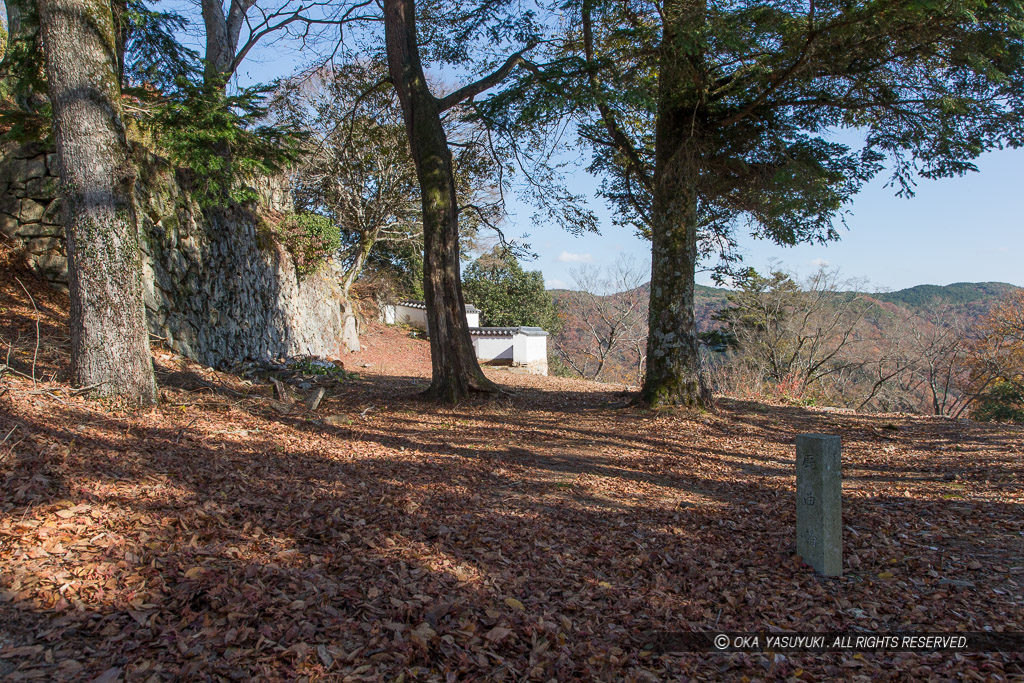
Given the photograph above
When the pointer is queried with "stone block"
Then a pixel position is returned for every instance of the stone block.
(29, 150)
(149, 289)
(44, 245)
(9, 204)
(30, 211)
(34, 168)
(42, 188)
(8, 225)
(40, 230)
(53, 267)
(53, 214)
(819, 518)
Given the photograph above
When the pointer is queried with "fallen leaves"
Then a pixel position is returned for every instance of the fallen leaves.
(535, 537)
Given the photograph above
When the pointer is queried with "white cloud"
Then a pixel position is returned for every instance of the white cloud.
(555, 283)
(820, 263)
(569, 257)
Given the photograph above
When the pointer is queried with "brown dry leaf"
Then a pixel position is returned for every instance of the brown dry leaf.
(23, 651)
(109, 676)
(214, 538)
(498, 634)
(514, 604)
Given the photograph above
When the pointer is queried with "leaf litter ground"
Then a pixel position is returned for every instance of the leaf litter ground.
(543, 535)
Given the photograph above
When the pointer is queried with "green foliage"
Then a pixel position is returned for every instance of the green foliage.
(955, 294)
(789, 334)
(558, 368)
(153, 60)
(357, 169)
(758, 304)
(746, 99)
(310, 238)
(402, 263)
(323, 368)
(1002, 402)
(24, 108)
(216, 138)
(150, 62)
(507, 295)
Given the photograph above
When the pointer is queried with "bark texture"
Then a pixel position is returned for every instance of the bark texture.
(673, 355)
(456, 373)
(109, 341)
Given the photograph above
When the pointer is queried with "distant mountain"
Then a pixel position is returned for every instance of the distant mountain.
(975, 297)
(970, 298)
(706, 300)
(956, 294)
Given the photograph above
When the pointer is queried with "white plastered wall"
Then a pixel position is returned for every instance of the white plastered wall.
(494, 349)
(408, 315)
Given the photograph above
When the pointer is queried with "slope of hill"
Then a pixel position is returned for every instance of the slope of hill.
(956, 294)
(973, 295)
(706, 300)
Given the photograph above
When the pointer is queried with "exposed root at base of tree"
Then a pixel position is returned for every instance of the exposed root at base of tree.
(447, 395)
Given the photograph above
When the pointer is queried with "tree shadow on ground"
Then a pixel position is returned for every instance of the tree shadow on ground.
(534, 536)
(254, 545)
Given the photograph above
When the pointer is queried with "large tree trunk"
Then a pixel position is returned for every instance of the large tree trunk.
(673, 354)
(456, 374)
(109, 341)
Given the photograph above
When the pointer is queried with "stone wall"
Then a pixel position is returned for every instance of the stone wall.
(217, 287)
(29, 214)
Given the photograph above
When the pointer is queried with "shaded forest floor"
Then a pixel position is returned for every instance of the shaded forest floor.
(537, 536)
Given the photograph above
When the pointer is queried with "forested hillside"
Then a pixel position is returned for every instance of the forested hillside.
(979, 294)
(974, 297)
(879, 338)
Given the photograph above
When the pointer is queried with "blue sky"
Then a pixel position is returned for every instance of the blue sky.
(967, 229)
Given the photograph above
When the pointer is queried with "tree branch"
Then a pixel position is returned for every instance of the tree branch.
(621, 140)
(486, 83)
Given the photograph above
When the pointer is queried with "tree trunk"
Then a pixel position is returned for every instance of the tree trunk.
(456, 374)
(109, 341)
(363, 249)
(119, 9)
(219, 50)
(22, 66)
(673, 354)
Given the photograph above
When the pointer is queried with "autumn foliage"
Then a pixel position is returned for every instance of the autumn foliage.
(996, 362)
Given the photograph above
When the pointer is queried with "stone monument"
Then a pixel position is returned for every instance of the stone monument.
(819, 517)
